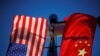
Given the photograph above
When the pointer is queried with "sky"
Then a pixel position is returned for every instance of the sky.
(44, 8)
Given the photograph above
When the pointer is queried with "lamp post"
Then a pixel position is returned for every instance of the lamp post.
(52, 51)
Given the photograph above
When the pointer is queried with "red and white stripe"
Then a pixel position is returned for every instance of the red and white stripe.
(30, 31)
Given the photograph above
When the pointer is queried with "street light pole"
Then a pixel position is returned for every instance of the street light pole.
(52, 51)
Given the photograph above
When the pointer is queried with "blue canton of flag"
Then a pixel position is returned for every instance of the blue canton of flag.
(17, 50)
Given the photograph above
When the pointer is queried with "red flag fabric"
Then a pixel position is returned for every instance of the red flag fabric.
(78, 35)
(28, 35)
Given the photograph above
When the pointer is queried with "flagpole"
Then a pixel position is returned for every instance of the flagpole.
(98, 21)
(52, 50)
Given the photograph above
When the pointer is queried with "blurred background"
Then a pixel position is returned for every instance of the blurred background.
(44, 8)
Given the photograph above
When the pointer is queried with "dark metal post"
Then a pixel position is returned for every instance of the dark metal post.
(98, 21)
(52, 51)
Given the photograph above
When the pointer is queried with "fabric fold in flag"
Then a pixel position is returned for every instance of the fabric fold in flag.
(78, 35)
(28, 36)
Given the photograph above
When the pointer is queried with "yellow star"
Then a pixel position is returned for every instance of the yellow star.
(85, 42)
(82, 52)
(88, 44)
(76, 45)
(80, 42)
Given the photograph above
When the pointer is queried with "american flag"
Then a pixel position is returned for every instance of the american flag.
(28, 36)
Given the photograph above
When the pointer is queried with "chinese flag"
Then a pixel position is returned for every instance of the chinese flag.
(78, 35)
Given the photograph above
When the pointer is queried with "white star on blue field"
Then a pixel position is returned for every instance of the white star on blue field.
(44, 8)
